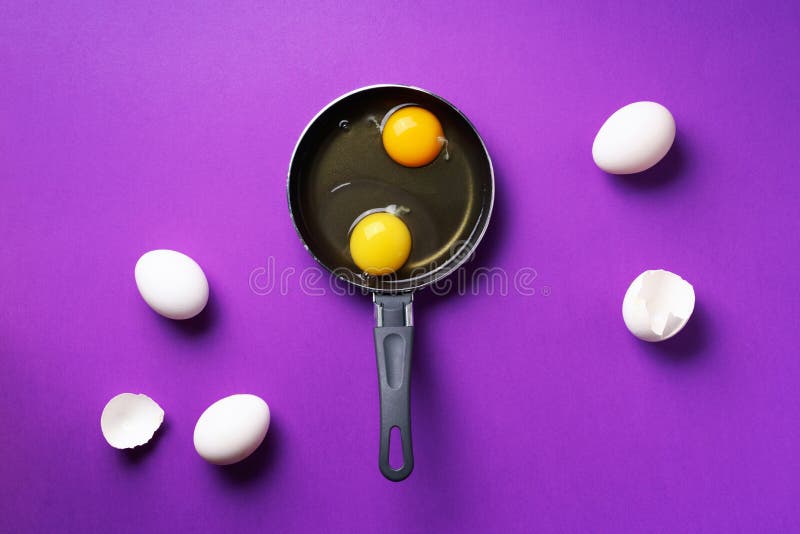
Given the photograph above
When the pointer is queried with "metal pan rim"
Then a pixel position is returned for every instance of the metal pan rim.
(409, 284)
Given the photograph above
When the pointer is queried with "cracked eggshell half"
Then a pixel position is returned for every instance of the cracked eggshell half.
(231, 429)
(130, 420)
(657, 305)
(634, 138)
(171, 283)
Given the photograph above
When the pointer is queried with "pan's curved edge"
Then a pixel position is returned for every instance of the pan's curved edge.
(463, 253)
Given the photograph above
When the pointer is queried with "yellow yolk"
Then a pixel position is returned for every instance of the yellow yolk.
(380, 243)
(413, 136)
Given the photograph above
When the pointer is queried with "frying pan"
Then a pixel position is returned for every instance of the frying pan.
(340, 171)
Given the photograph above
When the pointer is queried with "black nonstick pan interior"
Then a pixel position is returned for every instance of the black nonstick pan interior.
(340, 170)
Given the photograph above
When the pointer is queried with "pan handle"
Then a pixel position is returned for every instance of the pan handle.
(394, 335)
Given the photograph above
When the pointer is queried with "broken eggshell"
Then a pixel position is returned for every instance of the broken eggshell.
(657, 305)
(130, 420)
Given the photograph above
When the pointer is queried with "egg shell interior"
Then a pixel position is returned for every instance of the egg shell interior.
(657, 305)
(130, 420)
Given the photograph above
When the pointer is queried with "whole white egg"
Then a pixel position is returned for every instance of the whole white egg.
(634, 138)
(171, 283)
(231, 429)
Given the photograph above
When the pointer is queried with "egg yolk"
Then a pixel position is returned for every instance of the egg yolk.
(413, 136)
(380, 243)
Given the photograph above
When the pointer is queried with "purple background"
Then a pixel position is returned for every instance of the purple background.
(124, 129)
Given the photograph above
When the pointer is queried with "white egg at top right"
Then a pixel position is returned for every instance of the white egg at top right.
(634, 138)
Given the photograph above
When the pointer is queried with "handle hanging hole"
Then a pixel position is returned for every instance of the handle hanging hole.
(396, 460)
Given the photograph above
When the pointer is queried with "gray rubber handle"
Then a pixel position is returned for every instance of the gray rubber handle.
(393, 345)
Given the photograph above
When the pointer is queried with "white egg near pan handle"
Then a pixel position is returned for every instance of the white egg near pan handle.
(394, 336)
